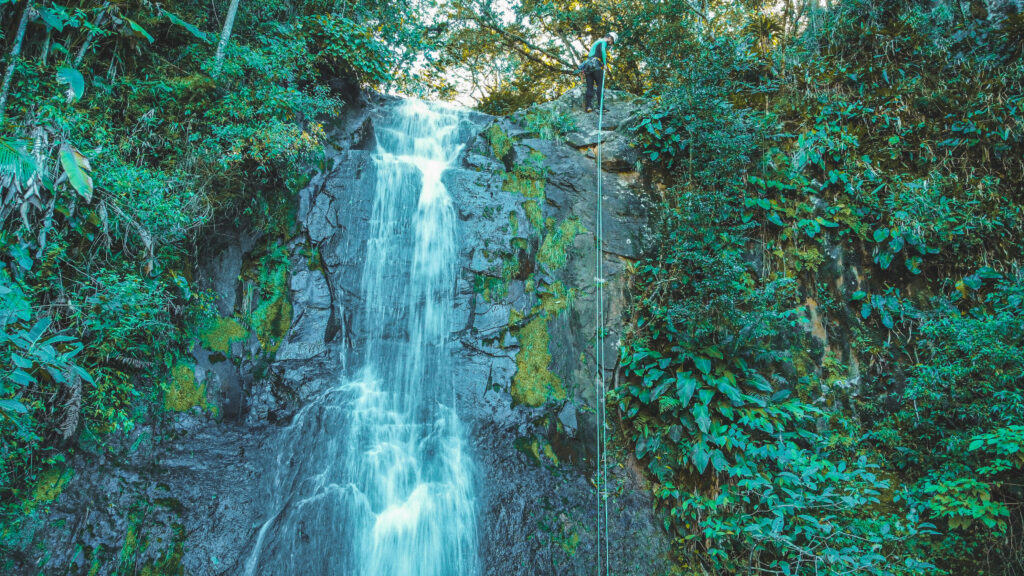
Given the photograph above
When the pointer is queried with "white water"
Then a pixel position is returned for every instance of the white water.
(372, 478)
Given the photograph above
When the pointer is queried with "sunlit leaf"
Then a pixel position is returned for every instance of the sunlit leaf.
(73, 78)
(187, 26)
(139, 31)
(77, 169)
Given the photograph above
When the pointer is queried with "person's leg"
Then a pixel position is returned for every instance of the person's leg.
(599, 83)
(590, 92)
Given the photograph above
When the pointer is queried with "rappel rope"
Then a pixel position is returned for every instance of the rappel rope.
(602, 429)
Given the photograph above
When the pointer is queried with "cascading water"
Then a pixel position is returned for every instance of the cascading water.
(372, 478)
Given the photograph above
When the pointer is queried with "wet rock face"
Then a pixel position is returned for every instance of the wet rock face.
(523, 339)
(527, 375)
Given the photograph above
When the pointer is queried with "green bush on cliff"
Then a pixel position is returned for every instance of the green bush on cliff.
(872, 177)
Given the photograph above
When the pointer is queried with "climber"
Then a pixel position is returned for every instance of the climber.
(592, 69)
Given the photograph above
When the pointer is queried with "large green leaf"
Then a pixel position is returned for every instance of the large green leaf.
(187, 26)
(702, 416)
(77, 169)
(139, 31)
(52, 19)
(12, 406)
(73, 78)
(700, 456)
(686, 384)
(732, 392)
(703, 364)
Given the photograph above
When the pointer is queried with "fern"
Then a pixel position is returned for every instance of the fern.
(668, 404)
(72, 410)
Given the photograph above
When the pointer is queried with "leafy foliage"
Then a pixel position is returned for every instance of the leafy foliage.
(823, 364)
(119, 150)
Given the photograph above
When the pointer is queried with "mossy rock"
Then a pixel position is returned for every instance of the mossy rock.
(269, 273)
(553, 249)
(183, 392)
(534, 384)
(532, 168)
(538, 450)
(501, 143)
(534, 215)
(219, 334)
(554, 299)
(168, 563)
(48, 487)
(524, 185)
(272, 320)
(494, 285)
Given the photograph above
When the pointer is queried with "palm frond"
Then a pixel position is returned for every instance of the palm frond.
(15, 160)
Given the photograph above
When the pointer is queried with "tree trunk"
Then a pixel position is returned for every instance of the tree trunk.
(12, 60)
(46, 48)
(91, 35)
(229, 21)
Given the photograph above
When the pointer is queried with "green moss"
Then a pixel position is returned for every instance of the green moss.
(311, 253)
(532, 168)
(527, 186)
(500, 142)
(491, 288)
(809, 259)
(534, 215)
(529, 447)
(552, 251)
(272, 319)
(168, 563)
(549, 452)
(133, 545)
(171, 504)
(554, 300)
(807, 387)
(534, 384)
(538, 450)
(513, 224)
(570, 544)
(183, 392)
(218, 334)
(96, 563)
(515, 317)
(48, 487)
(494, 286)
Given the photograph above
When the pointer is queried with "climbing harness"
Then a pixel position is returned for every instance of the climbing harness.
(602, 429)
(590, 65)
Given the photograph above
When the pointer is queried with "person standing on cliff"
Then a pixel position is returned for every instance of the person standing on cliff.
(593, 69)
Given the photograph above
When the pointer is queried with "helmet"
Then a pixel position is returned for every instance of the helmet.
(612, 36)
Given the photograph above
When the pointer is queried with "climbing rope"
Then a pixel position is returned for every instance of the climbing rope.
(602, 429)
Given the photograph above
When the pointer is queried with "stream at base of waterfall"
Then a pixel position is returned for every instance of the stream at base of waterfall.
(373, 478)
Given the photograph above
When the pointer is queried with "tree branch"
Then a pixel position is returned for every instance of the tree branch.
(519, 42)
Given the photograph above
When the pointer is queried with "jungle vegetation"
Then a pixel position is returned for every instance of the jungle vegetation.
(824, 364)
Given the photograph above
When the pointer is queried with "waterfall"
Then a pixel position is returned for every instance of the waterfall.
(372, 478)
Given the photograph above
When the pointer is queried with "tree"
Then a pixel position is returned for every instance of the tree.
(12, 60)
(225, 35)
